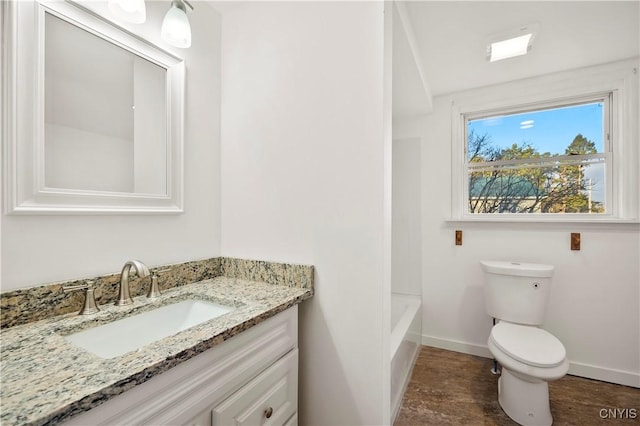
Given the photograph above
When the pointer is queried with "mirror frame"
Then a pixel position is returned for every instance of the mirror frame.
(23, 115)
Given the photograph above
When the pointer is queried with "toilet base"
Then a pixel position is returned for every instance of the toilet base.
(525, 402)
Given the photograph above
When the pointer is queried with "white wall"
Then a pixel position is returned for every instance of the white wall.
(595, 300)
(42, 249)
(406, 255)
(305, 179)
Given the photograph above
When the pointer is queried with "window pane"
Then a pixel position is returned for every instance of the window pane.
(568, 130)
(553, 187)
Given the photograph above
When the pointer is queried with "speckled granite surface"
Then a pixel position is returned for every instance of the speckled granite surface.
(46, 380)
(300, 276)
(26, 305)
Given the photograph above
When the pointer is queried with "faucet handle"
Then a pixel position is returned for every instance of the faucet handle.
(89, 307)
(154, 290)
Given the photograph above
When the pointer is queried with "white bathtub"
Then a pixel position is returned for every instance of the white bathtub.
(406, 330)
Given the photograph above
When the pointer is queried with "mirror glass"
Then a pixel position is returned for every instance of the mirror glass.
(104, 114)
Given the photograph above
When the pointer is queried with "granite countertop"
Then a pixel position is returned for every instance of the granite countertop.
(47, 380)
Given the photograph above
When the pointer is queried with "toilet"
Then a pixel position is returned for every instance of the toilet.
(516, 296)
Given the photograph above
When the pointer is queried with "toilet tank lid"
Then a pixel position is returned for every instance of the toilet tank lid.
(520, 269)
(530, 345)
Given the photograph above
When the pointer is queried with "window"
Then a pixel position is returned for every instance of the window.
(547, 158)
(559, 147)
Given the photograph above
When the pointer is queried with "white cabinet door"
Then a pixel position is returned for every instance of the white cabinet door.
(269, 399)
(203, 419)
(293, 420)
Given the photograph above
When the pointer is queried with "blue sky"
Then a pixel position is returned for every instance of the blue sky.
(549, 130)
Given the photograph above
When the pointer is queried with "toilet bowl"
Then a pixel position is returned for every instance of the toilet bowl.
(530, 357)
(516, 294)
(529, 351)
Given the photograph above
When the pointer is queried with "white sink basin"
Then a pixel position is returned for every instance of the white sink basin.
(128, 334)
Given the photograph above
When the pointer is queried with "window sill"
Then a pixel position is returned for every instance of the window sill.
(581, 220)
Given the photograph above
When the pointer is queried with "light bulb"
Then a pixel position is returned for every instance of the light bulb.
(176, 29)
(133, 11)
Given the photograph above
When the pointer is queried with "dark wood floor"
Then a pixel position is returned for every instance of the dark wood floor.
(450, 388)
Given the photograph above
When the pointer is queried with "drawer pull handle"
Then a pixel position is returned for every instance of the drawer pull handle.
(268, 412)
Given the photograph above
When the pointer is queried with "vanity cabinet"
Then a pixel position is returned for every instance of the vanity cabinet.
(251, 379)
(270, 398)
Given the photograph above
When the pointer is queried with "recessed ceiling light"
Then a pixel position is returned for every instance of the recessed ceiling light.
(511, 44)
(516, 46)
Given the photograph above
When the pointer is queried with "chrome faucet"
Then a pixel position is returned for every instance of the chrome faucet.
(123, 295)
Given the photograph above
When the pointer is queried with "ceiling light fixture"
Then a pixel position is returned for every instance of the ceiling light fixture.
(133, 11)
(511, 44)
(176, 29)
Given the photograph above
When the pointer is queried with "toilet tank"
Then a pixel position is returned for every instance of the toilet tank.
(515, 291)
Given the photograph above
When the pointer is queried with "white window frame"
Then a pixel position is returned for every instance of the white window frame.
(619, 79)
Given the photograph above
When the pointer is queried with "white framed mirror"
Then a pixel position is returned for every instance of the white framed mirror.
(92, 115)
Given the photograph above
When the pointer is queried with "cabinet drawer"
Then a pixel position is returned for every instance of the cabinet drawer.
(269, 399)
(293, 420)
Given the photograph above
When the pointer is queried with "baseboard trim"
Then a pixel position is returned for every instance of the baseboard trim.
(456, 346)
(610, 375)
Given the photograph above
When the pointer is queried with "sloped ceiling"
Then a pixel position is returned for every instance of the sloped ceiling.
(411, 94)
(452, 35)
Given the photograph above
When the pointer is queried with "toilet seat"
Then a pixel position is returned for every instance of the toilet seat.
(529, 345)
